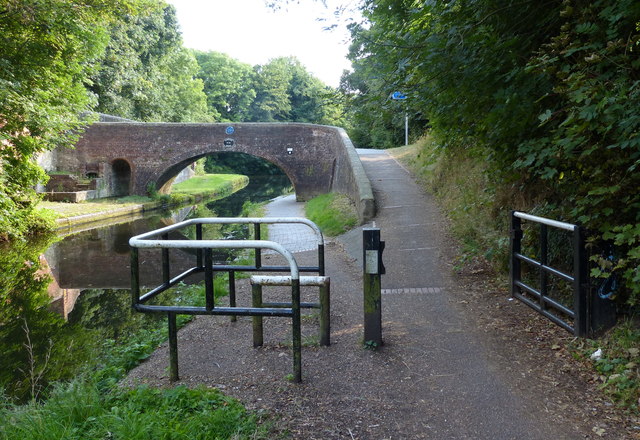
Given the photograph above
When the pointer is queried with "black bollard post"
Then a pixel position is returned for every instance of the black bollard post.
(372, 249)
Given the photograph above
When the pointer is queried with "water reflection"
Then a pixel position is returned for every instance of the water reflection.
(61, 300)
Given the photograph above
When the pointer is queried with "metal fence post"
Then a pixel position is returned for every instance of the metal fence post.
(232, 293)
(256, 302)
(372, 288)
(515, 268)
(257, 251)
(173, 347)
(295, 329)
(135, 277)
(208, 279)
(580, 283)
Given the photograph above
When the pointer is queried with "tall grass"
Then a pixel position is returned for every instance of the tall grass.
(80, 410)
(333, 213)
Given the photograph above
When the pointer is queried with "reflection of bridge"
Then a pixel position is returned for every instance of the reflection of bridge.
(99, 258)
(136, 156)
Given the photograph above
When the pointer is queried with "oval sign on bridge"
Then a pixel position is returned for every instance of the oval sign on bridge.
(228, 142)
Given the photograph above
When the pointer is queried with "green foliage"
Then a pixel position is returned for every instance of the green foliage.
(591, 149)
(281, 90)
(48, 48)
(79, 410)
(228, 85)
(37, 347)
(333, 213)
(146, 74)
(617, 368)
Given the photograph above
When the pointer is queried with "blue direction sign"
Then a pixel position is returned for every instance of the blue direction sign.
(398, 95)
(230, 130)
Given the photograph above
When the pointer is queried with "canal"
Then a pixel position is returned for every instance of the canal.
(65, 305)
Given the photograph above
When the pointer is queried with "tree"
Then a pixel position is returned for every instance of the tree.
(272, 102)
(287, 92)
(228, 85)
(48, 49)
(146, 74)
(546, 94)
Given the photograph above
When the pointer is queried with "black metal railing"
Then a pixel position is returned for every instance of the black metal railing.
(573, 318)
(160, 239)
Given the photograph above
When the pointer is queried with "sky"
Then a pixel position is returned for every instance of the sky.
(250, 32)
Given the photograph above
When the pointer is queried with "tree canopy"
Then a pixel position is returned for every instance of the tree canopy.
(146, 74)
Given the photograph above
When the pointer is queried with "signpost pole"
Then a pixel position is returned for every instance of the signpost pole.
(399, 96)
(406, 128)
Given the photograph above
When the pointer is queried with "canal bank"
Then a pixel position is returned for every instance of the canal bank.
(63, 298)
(105, 213)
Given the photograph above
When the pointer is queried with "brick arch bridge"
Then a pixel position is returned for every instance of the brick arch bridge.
(316, 158)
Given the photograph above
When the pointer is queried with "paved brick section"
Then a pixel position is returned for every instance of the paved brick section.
(294, 237)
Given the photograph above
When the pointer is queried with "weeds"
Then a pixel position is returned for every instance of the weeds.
(617, 367)
(35, 373)
(80, 410)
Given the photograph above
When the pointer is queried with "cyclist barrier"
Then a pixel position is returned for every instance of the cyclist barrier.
(159, 239)
(584, 316)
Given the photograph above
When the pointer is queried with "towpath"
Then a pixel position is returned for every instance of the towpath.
(446, 370)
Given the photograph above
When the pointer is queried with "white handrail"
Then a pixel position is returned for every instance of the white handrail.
(545, 221)
(236, 220)
(139, 241)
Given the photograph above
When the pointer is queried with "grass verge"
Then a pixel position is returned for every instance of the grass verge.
(80, 410)
(615, 360)
(334, 213)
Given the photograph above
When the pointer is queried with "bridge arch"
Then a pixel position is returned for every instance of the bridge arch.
(166, 177)
(316, 158)
(120, 177)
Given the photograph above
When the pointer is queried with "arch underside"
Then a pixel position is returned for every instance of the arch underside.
(309, 178)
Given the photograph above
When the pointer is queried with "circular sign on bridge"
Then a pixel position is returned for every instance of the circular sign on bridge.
(230, 130)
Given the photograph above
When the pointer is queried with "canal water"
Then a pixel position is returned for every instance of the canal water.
(63, 301)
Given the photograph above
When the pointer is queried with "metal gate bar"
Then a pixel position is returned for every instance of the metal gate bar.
(579, 279)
